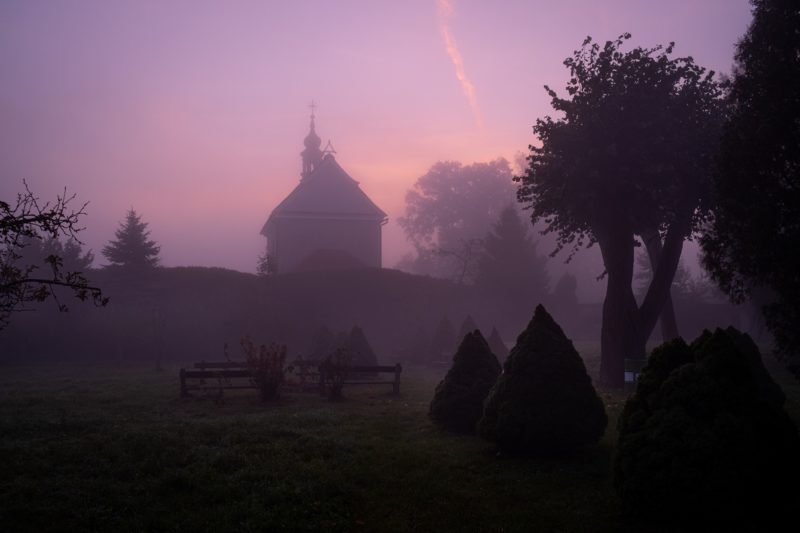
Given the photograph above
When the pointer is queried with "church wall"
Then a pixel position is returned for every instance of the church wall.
(296, 239)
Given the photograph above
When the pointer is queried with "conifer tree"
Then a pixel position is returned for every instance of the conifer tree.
(544, 402)
(132, 249)
(457, 404)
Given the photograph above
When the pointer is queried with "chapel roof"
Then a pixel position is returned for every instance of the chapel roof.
(327, 192)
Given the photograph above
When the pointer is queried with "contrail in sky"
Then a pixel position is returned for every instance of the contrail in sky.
(446, 10)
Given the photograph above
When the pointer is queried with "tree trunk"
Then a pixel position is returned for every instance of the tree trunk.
(663, 274)
(669, 325)
(621, 334)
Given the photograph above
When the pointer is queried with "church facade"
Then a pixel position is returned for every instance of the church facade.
(327, 221)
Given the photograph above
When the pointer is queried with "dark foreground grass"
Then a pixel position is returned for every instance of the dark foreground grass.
(87, 449)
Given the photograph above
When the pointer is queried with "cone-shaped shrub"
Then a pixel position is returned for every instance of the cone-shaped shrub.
(360, 351)
(458, 401)
(444, 340)
(467, 326)
(704, 442)
(497, 345)
(544, 402)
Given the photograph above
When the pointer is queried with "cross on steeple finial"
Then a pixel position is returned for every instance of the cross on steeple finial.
(313, 107)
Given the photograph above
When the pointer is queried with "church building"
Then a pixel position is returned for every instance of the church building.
(326, 221)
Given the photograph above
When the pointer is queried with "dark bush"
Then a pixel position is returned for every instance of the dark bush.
(361, 352)
(458, 401)
(704, 442)
(497, 345)
(544, 402)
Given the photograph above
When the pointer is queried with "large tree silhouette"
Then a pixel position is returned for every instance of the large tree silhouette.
(630, 158)
(132, 249)
(752, 243)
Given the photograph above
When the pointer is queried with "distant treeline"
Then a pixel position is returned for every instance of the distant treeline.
(190, 313)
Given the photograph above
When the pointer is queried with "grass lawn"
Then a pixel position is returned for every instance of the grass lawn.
(92, 449)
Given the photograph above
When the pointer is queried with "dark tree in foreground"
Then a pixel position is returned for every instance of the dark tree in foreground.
(27, 222)
(631, 157)
(132, 249)
(458, 401)
(705, 441)
(544, 402)
(753, 240)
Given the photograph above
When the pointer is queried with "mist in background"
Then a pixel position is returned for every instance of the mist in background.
(194, 113)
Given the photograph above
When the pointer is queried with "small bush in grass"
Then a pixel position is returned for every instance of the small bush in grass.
(704, 441)
(544, 402)
(335, 369)
(458, 401)
(266, 366)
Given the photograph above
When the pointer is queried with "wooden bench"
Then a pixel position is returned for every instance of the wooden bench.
(225, 374)
(364, 375)
(313, 376)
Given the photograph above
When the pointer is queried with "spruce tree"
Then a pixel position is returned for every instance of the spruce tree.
(132, 249)
(544, 402)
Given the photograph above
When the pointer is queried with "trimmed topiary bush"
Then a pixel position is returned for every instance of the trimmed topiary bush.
(458, 401)
(544, 402)
(361, 352)
(704, 442)
(497, 345)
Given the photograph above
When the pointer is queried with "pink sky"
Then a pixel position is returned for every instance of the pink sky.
(194, 112)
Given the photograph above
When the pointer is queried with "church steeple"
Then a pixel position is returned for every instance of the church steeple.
(311, 155)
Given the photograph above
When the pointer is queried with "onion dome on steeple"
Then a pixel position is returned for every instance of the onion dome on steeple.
(312, 155)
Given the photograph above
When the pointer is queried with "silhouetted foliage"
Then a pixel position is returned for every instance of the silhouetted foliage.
(631, 156)
(335, 369)
(361, 352)
(266, 366)
(26, 226)
(544, 402)
(458, 400)
(444, 341)
(496, 344)
(511, 273)
(705, 442)
(753, 238)
(131, 248)
(447, 213)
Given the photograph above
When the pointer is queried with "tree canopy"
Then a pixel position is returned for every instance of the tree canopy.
(630, 156)
(448, 211)
(132, 249)
(752, 241)
(27, 224)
